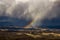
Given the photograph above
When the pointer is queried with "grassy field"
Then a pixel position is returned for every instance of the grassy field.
(4, 35)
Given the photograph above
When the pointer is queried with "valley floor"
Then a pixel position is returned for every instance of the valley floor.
(6, 35)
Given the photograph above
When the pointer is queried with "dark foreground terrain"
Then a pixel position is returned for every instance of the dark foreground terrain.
(25, 35)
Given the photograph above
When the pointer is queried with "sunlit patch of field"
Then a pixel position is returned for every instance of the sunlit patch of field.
(45, 35)
(54, 34)
(32, 35)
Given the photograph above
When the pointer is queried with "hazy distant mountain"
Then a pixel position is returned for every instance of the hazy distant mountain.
(6, 21)
(51, 23)
(9, 21)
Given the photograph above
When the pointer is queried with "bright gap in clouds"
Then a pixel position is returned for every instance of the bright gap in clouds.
(21, 1)
(52, 0)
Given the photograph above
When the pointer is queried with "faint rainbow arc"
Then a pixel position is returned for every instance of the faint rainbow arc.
(32, 22)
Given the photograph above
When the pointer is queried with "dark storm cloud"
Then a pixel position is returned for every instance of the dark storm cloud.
(45, 13)
(19, 10)
(53, 16)
(54, 12)
(37, 10)
(4, 5)
(13, 9)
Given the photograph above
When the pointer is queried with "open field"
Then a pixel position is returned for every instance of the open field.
(23, 35)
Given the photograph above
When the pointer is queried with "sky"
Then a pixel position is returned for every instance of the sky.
(22, 0)
(41, 12)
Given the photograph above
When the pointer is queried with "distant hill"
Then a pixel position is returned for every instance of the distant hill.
(6, 21)
(51, 23)
(11, 22)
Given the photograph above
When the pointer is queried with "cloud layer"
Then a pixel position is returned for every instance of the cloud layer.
(37, 10)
